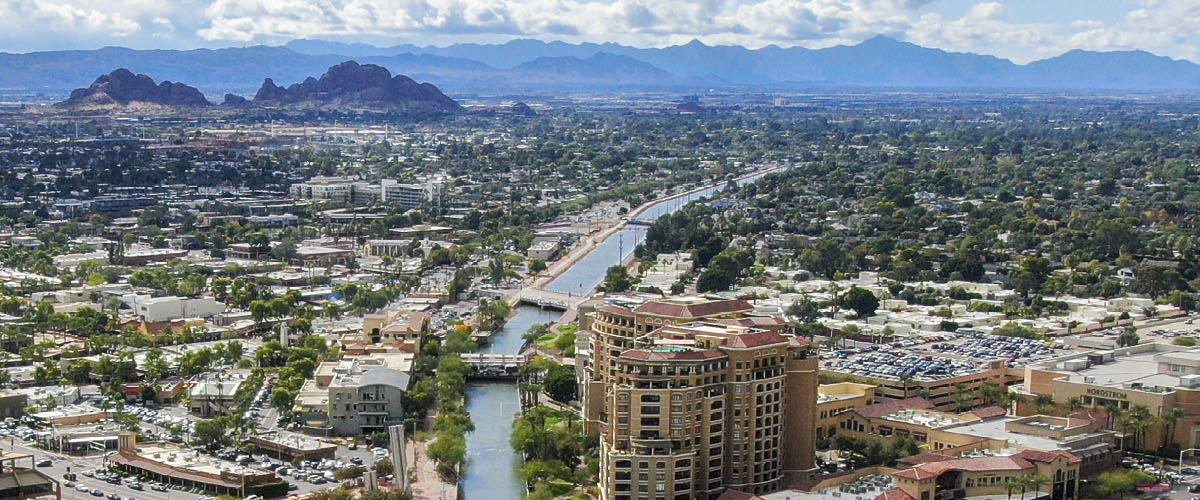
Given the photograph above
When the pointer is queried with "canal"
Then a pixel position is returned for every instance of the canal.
(491, 462)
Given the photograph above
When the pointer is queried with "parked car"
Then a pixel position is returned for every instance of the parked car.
(45, 462)
(97, 493)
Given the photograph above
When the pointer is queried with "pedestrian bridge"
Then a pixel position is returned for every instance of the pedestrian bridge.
(493, 366)
(549, 299)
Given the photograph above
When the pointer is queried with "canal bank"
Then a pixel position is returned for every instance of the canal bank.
(491, 462)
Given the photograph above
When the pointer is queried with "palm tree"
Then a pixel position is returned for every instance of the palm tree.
(1009, 484)
(1170, 418)
(1024, 483)
(1074, 403)
(1037, 481)
(1043, 402)
(1112, 412)
(905, 379)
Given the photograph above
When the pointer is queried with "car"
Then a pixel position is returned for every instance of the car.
(319, 480)
(353, 446)
(1188, 470)
(1195, 488)
(82, 487)
(158, 487)
(114, 496)
(88, 473)
(135, 485)
(69, 484)
(356, 460)
(45, 462)
(293, 487)
(97, 493)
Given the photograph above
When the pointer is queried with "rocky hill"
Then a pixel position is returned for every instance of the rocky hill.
(123, 88)
(353, 85)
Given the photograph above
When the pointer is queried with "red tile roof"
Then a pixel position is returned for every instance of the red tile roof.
(980, 464)
(890, 407)
(658, 355)
(697, 310)
(894, 494)
(1048, 456)
(990, 412)
(752, 321)
(757, 339)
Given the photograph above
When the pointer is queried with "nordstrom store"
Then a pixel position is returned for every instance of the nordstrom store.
(1157, 376)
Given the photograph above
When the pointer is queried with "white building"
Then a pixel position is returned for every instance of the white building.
(157, 309)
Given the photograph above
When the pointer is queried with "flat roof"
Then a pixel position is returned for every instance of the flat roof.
(995, 429)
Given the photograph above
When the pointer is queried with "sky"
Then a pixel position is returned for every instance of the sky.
(1020, 30)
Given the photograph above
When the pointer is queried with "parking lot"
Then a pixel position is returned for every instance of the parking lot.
(90, 479)
(937, 356)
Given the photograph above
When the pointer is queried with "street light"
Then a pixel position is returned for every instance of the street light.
(1181, 452)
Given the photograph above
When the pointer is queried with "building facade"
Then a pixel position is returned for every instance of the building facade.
(688, 405)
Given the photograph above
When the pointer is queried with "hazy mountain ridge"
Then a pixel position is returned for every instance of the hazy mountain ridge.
(353, 85)
(878, 62)
(123, 88)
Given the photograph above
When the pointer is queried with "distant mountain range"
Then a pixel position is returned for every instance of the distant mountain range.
(523, 65)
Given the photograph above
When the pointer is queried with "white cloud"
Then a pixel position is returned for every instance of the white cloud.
(1160, 26)
(985, 26)
(31, 16)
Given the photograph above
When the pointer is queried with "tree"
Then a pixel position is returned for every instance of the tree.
(861, 301)
(211, 433)
(1157, 281)
(560, 383)
(804, 310)
(1129, 337)
(537, 265)
(351, 472)
(449, 450)
(384, 467)
(616, 279)
(1043, 402)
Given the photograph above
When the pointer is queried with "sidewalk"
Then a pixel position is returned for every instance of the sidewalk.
(428, 485)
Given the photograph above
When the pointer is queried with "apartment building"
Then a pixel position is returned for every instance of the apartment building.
(688, 404)
(402, 329)
(353, 397)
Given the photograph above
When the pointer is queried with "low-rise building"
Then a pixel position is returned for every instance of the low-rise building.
(288, 446)
(176, 466)
(402, 329)
(19, 478)
(214, 395)
(352, 397)
(836, 401)
(1163, 379)
(161, 309)
(943, 478)
(544, 250)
